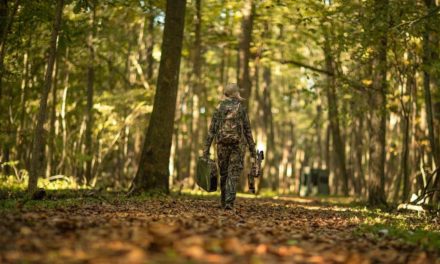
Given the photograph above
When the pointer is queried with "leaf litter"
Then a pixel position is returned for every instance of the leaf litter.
(187, 229)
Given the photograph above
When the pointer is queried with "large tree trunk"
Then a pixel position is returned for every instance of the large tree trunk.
(333, 115)
(90, 92)
(153, 172)
(429, 58)
(378, 118)
(247, 24)
(427, 61)
(39, 133)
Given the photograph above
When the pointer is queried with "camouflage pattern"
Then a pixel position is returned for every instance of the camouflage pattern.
(220, 114)
(230, 163)
(229, 152)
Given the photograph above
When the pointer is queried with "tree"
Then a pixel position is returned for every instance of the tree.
(39, 133)
(153, 171)
(333, 113)
(247, 24)
(378, 101)
(6, 18)
(90, 91)
(428, 64)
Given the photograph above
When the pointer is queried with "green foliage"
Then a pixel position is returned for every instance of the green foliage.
(412, 230)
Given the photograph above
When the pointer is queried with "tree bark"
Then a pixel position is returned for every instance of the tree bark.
(150, 43)
(153, 171)
(6, 21)
(21, 139)
(378, 118)
(245, 82)
(333, 115)
(39, 133)
(427, 64)
(90, 91)
(197, 87)
(50, 168)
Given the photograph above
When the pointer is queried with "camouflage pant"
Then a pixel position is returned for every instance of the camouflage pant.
(230, 162)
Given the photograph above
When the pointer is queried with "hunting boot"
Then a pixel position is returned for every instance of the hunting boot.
(229, 207)
(223, 199)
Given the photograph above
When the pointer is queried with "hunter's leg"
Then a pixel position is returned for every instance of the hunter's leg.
(223, 158)
(234, 170)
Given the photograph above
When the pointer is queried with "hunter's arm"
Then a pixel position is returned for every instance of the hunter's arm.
(211, 132)
(248, 132)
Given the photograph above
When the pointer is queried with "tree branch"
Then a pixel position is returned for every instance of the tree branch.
(300, 64)
(354, 83)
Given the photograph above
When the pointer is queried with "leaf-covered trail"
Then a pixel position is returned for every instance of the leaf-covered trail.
(195, 230)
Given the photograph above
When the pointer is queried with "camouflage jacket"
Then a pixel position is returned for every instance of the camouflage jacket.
(216, 122)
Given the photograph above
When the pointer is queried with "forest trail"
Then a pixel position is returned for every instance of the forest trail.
(187, 229)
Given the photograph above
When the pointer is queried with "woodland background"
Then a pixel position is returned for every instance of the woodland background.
(349, 86)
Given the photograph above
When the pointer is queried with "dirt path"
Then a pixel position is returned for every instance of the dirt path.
(195, 230)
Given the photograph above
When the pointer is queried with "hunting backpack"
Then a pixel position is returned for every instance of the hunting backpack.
(230, 129)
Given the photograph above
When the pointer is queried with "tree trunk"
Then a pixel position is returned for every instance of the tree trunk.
(21, 138)
(50, 168)
(153, 172)
(333, 115)
(3, 30)
(90, 92)
(3, 34)
(6, 21)
(318, 127)
(39, 133)
(269, 178)
(359, 149)
(245, 82)
(5, 25)
(150, 42)
(378, 118)
(62, 164)
(197, 88)
(427, 64)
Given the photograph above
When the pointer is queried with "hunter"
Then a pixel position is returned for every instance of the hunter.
(229, 125)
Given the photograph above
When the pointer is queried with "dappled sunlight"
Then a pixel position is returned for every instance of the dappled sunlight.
(207, 131)
(186, 228)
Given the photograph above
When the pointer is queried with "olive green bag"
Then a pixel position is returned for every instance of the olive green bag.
(207, 174)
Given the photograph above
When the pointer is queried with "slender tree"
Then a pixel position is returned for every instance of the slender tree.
(90, 92)
(39, 133)
(150, 41)
(197, 86)
(427, 61)
(378, 118)
(247, 25)
(153, 172)
(7, 16)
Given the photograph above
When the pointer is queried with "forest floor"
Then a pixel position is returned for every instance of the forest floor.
(193, 229)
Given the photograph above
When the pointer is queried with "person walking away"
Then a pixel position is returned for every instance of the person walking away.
(230, 127)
